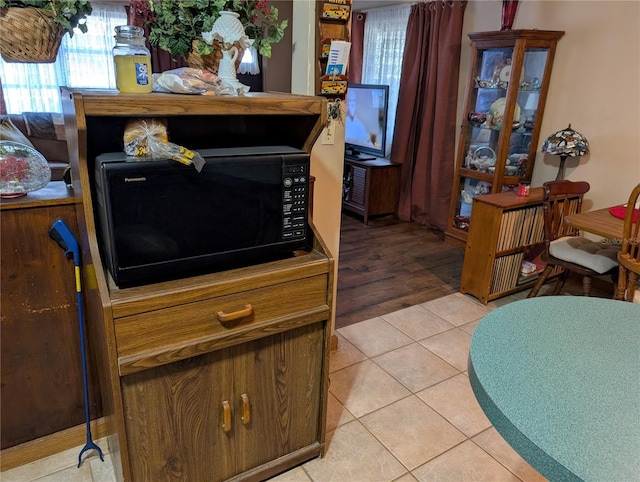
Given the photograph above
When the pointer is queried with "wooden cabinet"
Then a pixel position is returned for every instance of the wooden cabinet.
(371, 188)
(507, 229)
(204, 399)
(228, 411)
(219, 376)
(42, 384)
(507, 85)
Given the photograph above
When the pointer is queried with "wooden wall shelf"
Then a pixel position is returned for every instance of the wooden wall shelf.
(334, 23)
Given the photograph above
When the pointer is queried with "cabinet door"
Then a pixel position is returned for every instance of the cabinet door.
(174, 415)
(358, 186)
(503, 114)
(40, 358)
(281, 376)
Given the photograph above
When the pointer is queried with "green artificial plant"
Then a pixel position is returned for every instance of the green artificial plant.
(175, 25)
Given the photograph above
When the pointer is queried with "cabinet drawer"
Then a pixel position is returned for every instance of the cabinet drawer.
(166, 329)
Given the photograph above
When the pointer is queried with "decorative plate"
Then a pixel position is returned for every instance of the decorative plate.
(496, 112)
(502, 71)
(505, 73)
(22, 169)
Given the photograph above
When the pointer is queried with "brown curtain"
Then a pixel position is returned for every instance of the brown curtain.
(357, 47)
(425, 129)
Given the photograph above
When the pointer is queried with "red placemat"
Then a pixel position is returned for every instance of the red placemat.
(621, 211)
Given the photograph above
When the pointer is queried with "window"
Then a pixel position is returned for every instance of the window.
(83, 61)
(384, 37)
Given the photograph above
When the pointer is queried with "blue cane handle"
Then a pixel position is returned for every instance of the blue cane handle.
(62, 235)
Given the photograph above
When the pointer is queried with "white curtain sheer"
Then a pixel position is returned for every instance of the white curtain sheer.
(83, 61)
(384, 38)
(249, 63)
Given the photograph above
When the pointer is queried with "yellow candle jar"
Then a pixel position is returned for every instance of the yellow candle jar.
(132, 61)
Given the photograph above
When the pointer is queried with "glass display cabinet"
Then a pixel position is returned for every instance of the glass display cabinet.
(507, 86)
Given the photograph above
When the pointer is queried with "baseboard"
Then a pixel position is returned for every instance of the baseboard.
(50, 445)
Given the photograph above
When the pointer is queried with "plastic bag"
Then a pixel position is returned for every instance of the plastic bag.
(187, 80)
(169, 150)
(137, 133)
(148, 137)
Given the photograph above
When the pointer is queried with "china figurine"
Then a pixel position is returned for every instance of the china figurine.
(230, 32)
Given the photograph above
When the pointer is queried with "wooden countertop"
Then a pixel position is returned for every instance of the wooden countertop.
(55, 193)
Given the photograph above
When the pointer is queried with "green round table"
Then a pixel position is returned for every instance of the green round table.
(559, 378)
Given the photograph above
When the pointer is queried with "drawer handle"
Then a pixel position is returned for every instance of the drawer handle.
(236, 315)
(226, 416)
(246, 409)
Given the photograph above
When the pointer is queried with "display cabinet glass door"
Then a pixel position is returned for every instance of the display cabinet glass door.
(501, 120)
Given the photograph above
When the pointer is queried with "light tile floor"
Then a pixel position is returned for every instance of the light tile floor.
(400, 408)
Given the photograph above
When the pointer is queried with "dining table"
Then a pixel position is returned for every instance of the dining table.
(599, 222)
(557, 376)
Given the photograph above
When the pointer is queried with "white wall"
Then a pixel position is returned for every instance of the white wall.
(595, 86)
(327, 161)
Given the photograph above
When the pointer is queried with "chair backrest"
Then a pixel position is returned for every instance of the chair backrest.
(561, 198)
(630, 250)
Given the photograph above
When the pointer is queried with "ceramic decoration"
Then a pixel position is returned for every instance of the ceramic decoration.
(22, 169)
(496, 113)
(229, 31)
(483, 158)
(509, 8)
(502, 73)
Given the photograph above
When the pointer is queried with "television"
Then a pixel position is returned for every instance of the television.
(366, 121)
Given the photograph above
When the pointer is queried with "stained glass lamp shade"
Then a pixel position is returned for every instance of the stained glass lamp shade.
(565, 143)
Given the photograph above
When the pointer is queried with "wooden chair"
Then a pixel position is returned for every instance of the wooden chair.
(563, 248)
(629, 255)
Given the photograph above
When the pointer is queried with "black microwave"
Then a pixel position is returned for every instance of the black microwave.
(159, 219)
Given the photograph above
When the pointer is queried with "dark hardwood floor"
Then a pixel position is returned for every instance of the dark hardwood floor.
(391, 264)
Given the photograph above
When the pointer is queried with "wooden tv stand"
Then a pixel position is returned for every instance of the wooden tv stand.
(186, 394)
(371, 188)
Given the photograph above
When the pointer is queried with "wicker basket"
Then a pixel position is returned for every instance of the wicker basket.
(211, 61)
(29, 35)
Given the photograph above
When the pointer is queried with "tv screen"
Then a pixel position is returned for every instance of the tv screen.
(366, 121)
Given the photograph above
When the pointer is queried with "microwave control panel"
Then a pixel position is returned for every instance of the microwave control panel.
(295, 182)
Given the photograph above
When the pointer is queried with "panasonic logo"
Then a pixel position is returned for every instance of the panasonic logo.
(135, 179)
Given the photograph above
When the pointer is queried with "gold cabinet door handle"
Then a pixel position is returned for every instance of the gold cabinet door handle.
(226, 416)
(246, 409)
(236, 315)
